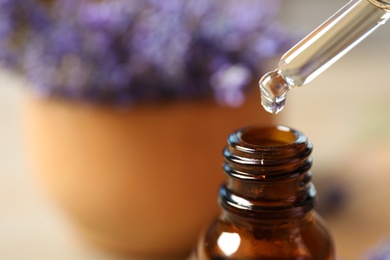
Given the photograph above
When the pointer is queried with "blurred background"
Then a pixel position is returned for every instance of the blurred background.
(344, 112)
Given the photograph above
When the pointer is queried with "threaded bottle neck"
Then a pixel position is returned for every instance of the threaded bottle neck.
(268, 173)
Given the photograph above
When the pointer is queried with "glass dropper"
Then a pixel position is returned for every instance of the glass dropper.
(321, 48)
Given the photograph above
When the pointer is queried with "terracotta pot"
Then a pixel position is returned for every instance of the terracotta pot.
(141, 181)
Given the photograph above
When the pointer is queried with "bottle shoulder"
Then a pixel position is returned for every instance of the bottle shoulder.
(306, 239)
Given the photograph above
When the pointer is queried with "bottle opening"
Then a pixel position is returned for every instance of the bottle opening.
(269, 172)
(269, 136)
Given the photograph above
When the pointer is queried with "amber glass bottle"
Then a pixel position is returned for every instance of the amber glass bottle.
(267, 201)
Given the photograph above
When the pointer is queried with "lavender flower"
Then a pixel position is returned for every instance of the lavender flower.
(381, 252)
(140, 50)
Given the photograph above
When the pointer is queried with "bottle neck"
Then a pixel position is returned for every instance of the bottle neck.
(268, 173)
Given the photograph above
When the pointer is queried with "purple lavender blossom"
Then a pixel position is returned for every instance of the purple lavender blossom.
(140, 50)
(381, 252)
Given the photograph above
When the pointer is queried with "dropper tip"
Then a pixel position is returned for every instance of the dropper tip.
(273, 90)
(271, 106)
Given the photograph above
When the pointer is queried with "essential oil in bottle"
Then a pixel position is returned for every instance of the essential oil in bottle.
(267, 201)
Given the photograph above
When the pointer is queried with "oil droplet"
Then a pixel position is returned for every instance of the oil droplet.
(273, 90)
(272, 106)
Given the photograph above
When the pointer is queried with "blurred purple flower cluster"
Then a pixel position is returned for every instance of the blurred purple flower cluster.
(126, 51)
(380, 252)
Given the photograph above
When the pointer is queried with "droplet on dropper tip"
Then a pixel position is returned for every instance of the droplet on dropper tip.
(272, 107)
(273, 89)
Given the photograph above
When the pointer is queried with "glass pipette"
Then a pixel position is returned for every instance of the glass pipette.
(321, 48)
